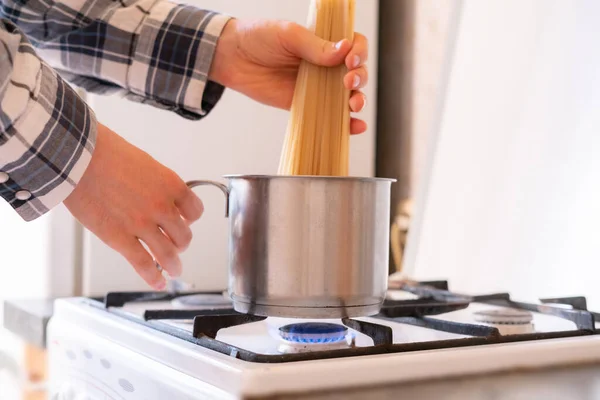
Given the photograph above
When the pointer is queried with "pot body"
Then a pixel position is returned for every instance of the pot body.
(308, 247)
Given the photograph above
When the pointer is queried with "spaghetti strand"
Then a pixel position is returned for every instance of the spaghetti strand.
(318, 131)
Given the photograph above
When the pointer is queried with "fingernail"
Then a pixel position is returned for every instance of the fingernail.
(356, 81)
(161, 285)
(176, 272)
(339, 44)
(364, 102)
(355, 61)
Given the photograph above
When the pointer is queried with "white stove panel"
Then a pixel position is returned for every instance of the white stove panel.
(88, 367)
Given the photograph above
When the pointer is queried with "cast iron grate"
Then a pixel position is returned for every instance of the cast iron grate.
(434, 298)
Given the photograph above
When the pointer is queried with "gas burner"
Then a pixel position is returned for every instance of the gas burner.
(504, 316)
(313, 332)
(508, 321)
(314, 336)
(199, 301)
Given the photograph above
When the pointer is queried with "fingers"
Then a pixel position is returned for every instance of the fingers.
(169, 234)
(359, 53)
(357, 78)
(358, 101)
(164, 251)
(177, 229)
(164, 240)
(357, 126)
(306, 45)
(136, 255)
(172, 234)
(189, 205)
(142, 262)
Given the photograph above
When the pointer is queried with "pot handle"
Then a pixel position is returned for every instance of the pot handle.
(224, 189)
(175, 286)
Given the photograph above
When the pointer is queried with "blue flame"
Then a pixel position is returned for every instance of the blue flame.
(313, 333)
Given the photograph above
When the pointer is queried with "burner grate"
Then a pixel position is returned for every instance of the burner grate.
(434, 299)
(452, 327)
(184, 314)
(119, 299)
(578, 314)
(584, 320)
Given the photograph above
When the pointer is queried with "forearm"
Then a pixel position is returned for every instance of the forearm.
(47, 133)
(151, 51)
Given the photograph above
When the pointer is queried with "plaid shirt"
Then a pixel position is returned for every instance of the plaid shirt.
(151, 51)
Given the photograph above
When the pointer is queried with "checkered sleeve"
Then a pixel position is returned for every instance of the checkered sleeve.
(152, 51)
(47, 132)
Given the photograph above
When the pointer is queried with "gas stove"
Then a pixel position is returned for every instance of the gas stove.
(154, 345)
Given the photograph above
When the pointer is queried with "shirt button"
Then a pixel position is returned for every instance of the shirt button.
(3, 177)
(23, 195)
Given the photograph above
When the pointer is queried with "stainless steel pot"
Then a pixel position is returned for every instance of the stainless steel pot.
(307, 247)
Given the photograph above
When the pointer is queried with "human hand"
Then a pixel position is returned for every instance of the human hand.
(261, 60)
(125, 196)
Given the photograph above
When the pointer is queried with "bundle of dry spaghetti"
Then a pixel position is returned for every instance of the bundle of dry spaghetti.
(318, 132)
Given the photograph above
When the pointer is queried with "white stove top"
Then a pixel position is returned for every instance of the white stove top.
(262, 337)
(79, 329)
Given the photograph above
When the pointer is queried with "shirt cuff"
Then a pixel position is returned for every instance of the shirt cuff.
(47, 149)
(173, 57)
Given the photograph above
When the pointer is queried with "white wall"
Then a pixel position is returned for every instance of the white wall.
(39, 257)
(432, 22)
(25, 252)
(513, 198)
(23, 273)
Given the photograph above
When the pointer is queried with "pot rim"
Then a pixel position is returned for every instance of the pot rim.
(309, 177)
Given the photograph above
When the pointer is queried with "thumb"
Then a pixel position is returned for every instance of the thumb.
(306, 45)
